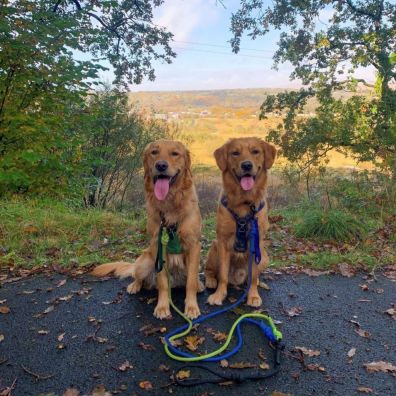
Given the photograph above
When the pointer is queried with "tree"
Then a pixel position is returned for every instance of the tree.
(358, 34)
(113, 138)
(49, 60)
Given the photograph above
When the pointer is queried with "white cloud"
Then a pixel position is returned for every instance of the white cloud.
(181, 17)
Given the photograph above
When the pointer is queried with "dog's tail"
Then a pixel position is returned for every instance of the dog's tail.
(121, 269)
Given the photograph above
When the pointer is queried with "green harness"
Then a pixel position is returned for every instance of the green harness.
(168, 242)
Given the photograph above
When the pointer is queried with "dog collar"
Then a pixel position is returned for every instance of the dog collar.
(243, 226)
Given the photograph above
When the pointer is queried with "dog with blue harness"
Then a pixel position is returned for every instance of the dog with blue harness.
(244, 163)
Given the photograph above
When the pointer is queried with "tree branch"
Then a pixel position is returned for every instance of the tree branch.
(360, 11)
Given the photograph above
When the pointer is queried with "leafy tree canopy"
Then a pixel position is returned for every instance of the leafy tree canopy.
(50, 56)
(324, 57)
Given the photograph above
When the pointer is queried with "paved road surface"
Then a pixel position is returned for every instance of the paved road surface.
(101, 327)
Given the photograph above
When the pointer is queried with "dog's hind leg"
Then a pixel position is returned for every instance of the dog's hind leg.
(142, 267)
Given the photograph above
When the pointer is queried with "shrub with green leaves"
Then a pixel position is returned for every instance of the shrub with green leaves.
(331, 224)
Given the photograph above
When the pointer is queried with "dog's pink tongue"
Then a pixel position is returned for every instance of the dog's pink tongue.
(161, 188)
(247, 182)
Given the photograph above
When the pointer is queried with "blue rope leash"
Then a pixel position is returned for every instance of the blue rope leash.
(254, 252)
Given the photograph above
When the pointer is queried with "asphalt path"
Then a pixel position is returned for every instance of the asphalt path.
(63, 332)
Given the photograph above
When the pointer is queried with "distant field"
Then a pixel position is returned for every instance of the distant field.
(209, 133)
(209, 118)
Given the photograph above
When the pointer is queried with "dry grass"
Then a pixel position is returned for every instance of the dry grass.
(209, 133)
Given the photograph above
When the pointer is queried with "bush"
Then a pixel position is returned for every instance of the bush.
(331, 224)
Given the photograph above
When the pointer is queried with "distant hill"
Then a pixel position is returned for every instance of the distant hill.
(177, 101)
(201, 100)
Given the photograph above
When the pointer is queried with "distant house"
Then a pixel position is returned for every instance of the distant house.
(160, 116)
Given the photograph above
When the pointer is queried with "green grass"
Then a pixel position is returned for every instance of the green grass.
(36, 233)
(331, 224)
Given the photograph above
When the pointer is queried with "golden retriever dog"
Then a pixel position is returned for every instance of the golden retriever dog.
(170, 196)
(244, 163)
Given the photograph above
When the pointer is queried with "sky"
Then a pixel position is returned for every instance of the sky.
(204, 59)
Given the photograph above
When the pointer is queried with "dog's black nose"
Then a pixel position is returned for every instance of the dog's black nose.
(246, 166)
(161, 166)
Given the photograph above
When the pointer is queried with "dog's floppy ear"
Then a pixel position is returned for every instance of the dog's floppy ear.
(220, 155)
(187, 157)
(146, 152)
(269, 154)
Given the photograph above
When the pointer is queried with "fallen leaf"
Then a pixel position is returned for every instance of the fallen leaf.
(61, 346)
(308, 352)
(264, 286)
(61, 283)
(364, 287)
(4, 309)
(28, 292)
(312, 272)
(183, 374)
(124, 366)
(346, 270)
(1, 337)
(61, 336)
(43, 332)
(363, 389)
(277, 393)
(219, 336)
(66, 298)
(379, 366)
(363, 333)
(391, 312)
(31, 230)
(100, 391)
(2, 301)
(295, 311)
(163, 368)
(150, 329)
(146, 347)
(224, 363)
(315, 367)
(192, 342)
(101, 340)
(146, 385)
(264, 366)
(71, 392)
(351, 353)
(49, 309)
(241, 365)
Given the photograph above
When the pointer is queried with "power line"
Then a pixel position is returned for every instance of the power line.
(222, 53)
(219, 46)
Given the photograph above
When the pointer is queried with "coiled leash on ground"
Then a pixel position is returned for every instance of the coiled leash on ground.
(264, 322)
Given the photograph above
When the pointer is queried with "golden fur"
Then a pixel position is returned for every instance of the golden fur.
(223, 264)
(180, 206)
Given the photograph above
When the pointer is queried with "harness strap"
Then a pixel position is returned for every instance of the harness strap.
(172, 245)
(242, 229)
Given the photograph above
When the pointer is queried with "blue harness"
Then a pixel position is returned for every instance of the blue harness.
(246, 226)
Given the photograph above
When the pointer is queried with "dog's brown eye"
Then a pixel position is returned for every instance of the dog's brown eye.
(235, 153)
(155, 152)
(255, 151)
(174, 153)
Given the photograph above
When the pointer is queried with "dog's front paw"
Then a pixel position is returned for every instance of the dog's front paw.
(162, 311)
(217, 298)
(192, 310)
(134, 287)
(254, 300)
(211, 283)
